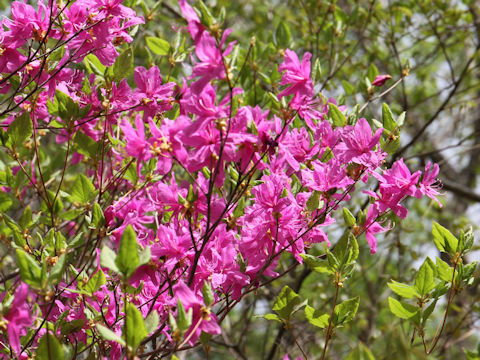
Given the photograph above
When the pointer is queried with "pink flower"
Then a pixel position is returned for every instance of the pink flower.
(19, 316)
(202, 319)
(150, 92)
(296, 75)
(358, 144)
(380, 80)
(372, 227)
(429, 185)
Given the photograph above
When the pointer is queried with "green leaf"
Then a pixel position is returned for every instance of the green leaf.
(85, 145)
(94, 65)
(273, 317)
(158, 46)
(361, 352)
(94, 283)
(444, 271)
(402, 310)
(107, 259)
(313, 202)
(207, 293)
(6, 202)
(283, 35)
(348, 217)
(30, 271)
(49, 348)
(109, 335)
(315, 318)
(184, 319)
(345, 311)
(19, 130)
(443, 239)
(123, 66)
(72, 326)
(285, 303)
(83, 190)
(98, 219)
(424, 280)
(316, 264)
(127, 259)
(134, 330)
(388, 119)
(349, 88)
(152, 321)
(404, 290)
(336, 115)
(372, 72)
(58, 269)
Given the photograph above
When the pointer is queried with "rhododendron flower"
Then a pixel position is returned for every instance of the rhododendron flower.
(203, 319)
(380, 80)
(150, 93)
(18, 317)
(296, 75)
(372, 227)
(429, 185)
(359, 143)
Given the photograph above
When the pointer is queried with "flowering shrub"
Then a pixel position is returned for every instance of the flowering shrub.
(142, 212)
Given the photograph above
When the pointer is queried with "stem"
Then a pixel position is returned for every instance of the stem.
(330, 327)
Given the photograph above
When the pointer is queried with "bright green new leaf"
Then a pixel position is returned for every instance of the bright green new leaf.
(283, 35)
(316, 264)
(127, 259)
(348, 217)
(313, 202)
(404, 290)
(58, 269)
(49, 348)
(388, 119)
(184, 319)
(107, 259)
(345, 311)
(83, 190)
(19, 130)
(207, 293)
(402, 310)
(134, 330)
(158, 46)
(444, 271)
(285, 303)
(424, 280)
(444, 239)
(108, 334)
(30, 271)
(152, 321)
(315, 318)
(97, 280)
(336, 115)
(123, 65)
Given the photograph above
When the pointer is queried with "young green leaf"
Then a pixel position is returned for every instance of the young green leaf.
(285, 303)
(402, 310)
(444, 239)
(158, 46)
(109, 335)
(315, 318)
(388, 119)
(134, 330)
(30, 271)
(123, 65)
(58, 269)
(404, 290)
(152, 321)
(345, 311)
(107, 259)
(49, 348)
(19, 130)
(336, 115)
(83, 190)
(424, 280)
(127, 259)
(97, 280)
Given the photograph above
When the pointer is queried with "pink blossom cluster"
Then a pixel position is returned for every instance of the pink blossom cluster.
(221, 189)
